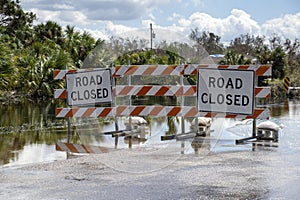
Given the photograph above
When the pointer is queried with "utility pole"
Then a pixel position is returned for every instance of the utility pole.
(152, 35)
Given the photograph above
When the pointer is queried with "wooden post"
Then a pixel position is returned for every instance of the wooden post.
(69, 124)
(129, 83)
(254, 120)
(254, 128)
(182, 102)
(114, 103)
(69, 119)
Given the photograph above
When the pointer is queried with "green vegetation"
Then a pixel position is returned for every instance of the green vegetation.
(30, 53)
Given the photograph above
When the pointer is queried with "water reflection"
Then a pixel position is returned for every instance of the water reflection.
(33, 128)
(281, 109)
(25, 125)
(35, 153)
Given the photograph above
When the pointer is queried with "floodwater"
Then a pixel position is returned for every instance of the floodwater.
(29, 132)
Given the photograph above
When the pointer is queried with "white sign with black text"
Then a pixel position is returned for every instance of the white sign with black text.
(226, 91)
(89, 87)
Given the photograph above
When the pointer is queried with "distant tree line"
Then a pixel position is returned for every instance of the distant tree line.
(29, 53)
(283, 55)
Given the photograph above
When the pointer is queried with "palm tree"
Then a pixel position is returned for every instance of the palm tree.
(87, 44)
(79, 45)
(50, 30)
(35, 67)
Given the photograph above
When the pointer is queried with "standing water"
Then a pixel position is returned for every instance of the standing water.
(29, 132)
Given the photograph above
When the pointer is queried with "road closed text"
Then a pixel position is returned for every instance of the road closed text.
(90, 87)
(89, 94)
(229, 91)
(228, 99)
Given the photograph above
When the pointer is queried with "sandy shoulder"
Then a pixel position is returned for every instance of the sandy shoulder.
(126, 175)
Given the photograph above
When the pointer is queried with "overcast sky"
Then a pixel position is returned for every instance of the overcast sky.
(226, 18)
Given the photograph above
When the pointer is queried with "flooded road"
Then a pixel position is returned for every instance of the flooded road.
(28, 133)
(157, 169)
(288, 181)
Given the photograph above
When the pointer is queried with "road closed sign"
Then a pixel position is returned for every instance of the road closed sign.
(226, 91)
(89, 87)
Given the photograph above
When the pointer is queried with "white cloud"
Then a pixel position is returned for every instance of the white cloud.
(63, 7)
(117, 29)
(95, 33)
(173, 17)
(184, 22)
(145, 23)
(73, 17)
(66, 17)
(107, 16)
(287, 26)
(203, 21)
(151, 16)
(43, 15)
(164, 33)
(237, 23)
(97, 10)
(30, 1)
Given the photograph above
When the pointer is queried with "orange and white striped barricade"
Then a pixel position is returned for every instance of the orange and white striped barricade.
(159, 90)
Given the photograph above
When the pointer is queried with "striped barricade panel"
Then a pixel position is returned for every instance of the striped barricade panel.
(155, 111)
(85, 112)
(59, 74)
(262, 92)
(258, 114)
(60, 93)
(155, 90)
(149, 70)
(142, 90)
(156, 70)
(260, 70)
